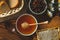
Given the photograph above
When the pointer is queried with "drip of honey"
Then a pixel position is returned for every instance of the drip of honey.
(28, 19)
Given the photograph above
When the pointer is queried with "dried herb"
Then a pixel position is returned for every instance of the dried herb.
(37, 5)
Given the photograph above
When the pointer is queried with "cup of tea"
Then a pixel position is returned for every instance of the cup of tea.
(23, 19)
(37, 6)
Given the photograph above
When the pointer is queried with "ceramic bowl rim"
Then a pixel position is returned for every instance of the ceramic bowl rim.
(35, 12)
(30, 33)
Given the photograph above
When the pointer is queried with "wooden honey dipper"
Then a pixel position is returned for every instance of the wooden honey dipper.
(26, 24)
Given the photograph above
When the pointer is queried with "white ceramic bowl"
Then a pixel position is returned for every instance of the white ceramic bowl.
(35, 12)
(30, 33)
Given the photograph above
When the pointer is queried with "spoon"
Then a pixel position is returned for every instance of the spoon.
(26, 25)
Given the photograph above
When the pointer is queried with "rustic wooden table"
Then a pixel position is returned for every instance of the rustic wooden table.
(10, 23)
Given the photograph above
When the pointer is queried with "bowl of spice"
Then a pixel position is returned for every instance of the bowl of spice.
(37, 6)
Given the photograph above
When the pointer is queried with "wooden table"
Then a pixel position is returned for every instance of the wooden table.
(10, 24)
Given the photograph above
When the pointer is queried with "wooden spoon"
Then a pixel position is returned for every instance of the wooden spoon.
(26, 25)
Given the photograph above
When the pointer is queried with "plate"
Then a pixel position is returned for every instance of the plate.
(13, 11)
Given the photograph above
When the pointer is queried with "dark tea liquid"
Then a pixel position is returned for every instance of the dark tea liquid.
(37, 5)
(29, 20)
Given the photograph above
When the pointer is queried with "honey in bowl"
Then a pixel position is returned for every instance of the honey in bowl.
(29, 19)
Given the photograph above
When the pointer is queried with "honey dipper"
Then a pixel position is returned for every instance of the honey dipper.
(26, 24)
